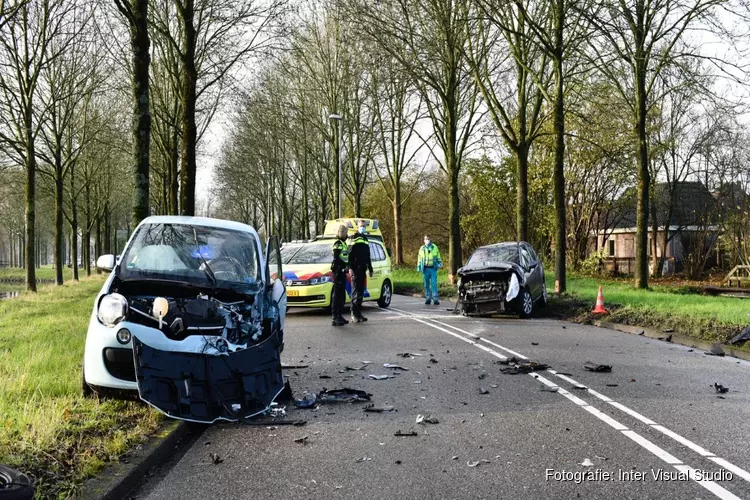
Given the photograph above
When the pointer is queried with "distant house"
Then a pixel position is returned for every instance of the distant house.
(686, 215)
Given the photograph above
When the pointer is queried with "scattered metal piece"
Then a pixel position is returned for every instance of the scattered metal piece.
(721, 389)
(363, 459)
(324, 376)
(483, 390)
(594, 367)
(343, 396)
(454, 457)
(302, 440)
(433, 360)
(482, 375)
(399, 433)
(580, 388)
(394, 367)
(611, 385)
(535, 343)
(494, 386)
(587, 462)
(215, 458)
(408, 354)
(475, 464)
(378, 409)
(378, 377)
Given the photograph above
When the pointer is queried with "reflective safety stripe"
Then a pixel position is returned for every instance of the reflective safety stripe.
(359, 239)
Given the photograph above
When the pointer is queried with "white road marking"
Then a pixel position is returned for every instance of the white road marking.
(670, 459)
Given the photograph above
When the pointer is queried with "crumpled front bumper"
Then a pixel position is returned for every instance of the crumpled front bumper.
(206, 387)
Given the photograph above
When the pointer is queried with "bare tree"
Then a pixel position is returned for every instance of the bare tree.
(428, 39)
(26, 48)
(135, 13)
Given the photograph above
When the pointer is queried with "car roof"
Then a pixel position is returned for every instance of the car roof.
(198, 221)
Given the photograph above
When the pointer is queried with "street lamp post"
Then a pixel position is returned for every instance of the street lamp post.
(340, 188)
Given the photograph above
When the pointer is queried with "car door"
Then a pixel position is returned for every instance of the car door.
(536, 272)
(527, 266)
(375, 284)
(275, 275)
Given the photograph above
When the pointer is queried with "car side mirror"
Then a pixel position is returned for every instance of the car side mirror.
(105, 262)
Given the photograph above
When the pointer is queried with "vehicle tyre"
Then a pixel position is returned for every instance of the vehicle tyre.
(86, 389)
(386, 293)
(15, 485)
(524, 304)
(543, 301)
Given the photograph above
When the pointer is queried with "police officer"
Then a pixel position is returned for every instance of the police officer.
(339, 267)
(359, 263)
(428, 263)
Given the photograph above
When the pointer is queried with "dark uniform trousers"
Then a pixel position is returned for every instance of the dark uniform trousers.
(359, 280)
(338, 299)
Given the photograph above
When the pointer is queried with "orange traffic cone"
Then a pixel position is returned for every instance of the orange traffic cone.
(599, 309)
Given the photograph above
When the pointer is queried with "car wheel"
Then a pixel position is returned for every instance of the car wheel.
(543, 300)
(386, 293)
(15, 485)
(524, 304)
(86, 389)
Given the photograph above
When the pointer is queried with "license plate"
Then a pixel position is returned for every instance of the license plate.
(293, 293)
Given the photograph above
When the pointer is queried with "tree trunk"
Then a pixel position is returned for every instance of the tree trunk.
(522, 192)
(644, 177)
(398, 251)
(30, 200)
(59, 251)
(559, 168)
(139, 40)
(74, 246)
(189, 131)
(655, 239)
(174, 160)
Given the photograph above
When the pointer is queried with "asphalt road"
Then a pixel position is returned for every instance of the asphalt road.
(656, 413)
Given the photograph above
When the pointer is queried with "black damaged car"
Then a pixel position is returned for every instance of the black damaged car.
(500, 278)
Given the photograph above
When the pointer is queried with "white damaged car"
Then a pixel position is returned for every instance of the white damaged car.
(192, 318)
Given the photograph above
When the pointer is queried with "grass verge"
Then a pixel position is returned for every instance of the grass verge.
(44, 273)
(715, 319)
(47, 429)
(409, 281)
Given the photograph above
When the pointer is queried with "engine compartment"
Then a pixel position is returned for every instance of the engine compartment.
(483, 293)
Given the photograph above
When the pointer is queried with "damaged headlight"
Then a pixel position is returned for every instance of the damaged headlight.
(112, 309)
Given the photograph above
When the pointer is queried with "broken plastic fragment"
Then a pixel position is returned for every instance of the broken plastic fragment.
(302, 440)
(407, 433)
(549, 389)
(379, 409)
(343, 396)
(394, 367)
(587, 462)
(429, 419)
(378, 377)
(475, 464)
(215, 458)
(308, 401)
(483, 390)
(363, 459)
(594, 367)
(721, 389)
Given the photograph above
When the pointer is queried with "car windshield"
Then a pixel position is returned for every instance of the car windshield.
(180, 252)
(494, 253)
(287, 252)
(312, 254)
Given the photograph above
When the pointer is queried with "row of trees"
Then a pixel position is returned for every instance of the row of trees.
(102, 153)
(574, 95)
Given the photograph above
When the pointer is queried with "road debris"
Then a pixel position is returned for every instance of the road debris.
(494, 386)
(741, 337)
(484, 390)
(482, 375)
(476, 464)
(720, 388)
(215, 458)
(535, 343)
(580, 388)
(516, 366)
(292, 367)
(545, 388)
(611, 385)
(395, 367)
(400, 433)
(277, 411)
(587, 462)
(428, 419)
(408, 355)
(668, 338)
(324, 376)
(352, 369)
(594, 367)
(285, 396)
(433, 360)
(454, 457)
(296, 423)
(363, 459)
(302, 440)
(716, 350)
(343, 396)
(379, 377)
(307, 401)
(378, 409)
